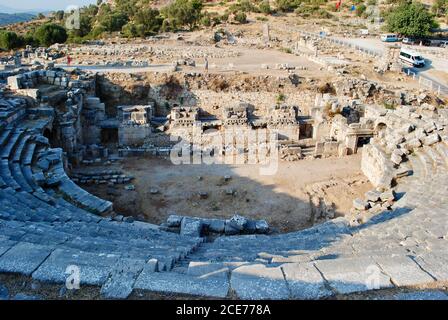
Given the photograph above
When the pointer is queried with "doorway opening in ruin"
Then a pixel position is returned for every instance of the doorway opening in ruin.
(306, 131)
(380, 127)
(51, 136)
(362, 141)
(109, 135)
(214, 127)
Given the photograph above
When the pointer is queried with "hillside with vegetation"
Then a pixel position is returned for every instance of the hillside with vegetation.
(7, 18)
(142, 18)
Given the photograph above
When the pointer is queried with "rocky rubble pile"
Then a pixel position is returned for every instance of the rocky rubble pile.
(402, 133)
(196, 227)
(290, 153)
(56, 77)
(374, 202)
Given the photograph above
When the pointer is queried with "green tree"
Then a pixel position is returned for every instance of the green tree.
(59, 15)
(150, 21)
(113, 21)
(9, 40)
(50, 33)
(183, 13)
(410, 19)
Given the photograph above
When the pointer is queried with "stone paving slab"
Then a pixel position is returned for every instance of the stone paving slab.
(93, 268)
(24, 258)
(403, 271)
(305, 281)
(178, 283)
(208, 269)
(349, 275)
(5, 245)
(435, 264)
(254, 282)
(122, 278)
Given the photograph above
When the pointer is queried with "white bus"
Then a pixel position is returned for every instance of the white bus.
(389, 37)
(411, 57)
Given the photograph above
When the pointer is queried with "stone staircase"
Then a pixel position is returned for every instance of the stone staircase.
(398, 248)
(46, 228)
(48, 231)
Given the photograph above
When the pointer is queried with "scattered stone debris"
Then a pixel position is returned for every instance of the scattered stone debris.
(201, 226)
(129, 187)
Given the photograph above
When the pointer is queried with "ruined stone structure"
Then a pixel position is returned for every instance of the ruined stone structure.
(134, 124)
(48, 223)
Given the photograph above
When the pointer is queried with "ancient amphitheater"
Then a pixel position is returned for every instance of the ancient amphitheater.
(394, 237)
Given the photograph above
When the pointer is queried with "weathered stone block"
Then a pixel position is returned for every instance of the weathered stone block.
(191, 227)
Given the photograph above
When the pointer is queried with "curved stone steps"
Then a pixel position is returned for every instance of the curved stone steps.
(5, 135)
(44, 234)
(427, 162)
(18, 176)
(7, 176)
(436, 157)
(76, 194)
(418, 170)
(98, 239)
(28, 153)
(28, 174)
(442, 148)
(11, 143)
(392, 233)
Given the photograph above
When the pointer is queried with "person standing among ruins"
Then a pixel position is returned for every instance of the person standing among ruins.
(206, 64)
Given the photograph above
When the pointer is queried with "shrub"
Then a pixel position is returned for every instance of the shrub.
(50, 33)
(287, 5)
(265, 7)
(360, 10)
(244, 6)
(206, 21)
(440, 7)
(241, 17)
(280, 98)
(113, 22)
(10, 40)
(312, 11)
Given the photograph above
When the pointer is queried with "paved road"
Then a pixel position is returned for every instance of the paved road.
(436, 85)
(375, 46)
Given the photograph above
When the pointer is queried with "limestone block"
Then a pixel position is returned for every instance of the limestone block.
(15, 82)
(376, 166)
(372, 195)
(191, 227)
(360, 204)
(431, 139)
(387, 196)
(397, 159)
(174, 221)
